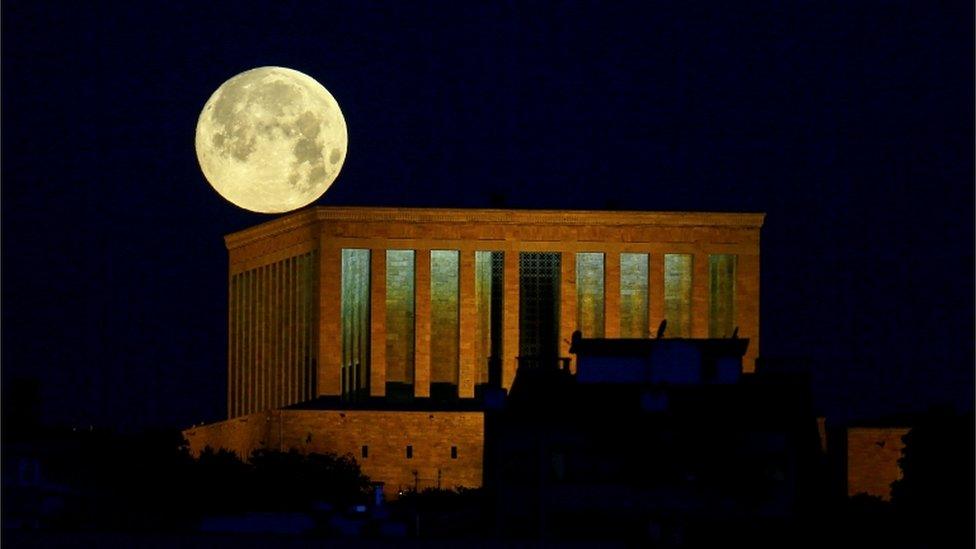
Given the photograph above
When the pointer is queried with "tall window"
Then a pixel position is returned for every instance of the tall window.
(399, 317)
(355, 320)
(633, 295)
(488, 280)
(721, 294)
(444, 316)
(589, 294)
(677, 294)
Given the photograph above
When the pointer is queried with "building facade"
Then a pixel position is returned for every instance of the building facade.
(414, 306)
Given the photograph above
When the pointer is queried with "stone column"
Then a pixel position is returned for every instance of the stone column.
(421, 375)
(330, 312)
(232, 365)
(747, 306)
(466, 328)
(611, 294)
(377, 320)
(699, 295)
(262, 337)
(567, 303)
(278, 359)
(510, 322)
(250, 403)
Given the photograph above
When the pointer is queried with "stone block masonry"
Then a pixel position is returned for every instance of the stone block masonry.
(384, 434)
(872, 460)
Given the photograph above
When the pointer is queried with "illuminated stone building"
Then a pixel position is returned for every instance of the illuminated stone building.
(371, 331)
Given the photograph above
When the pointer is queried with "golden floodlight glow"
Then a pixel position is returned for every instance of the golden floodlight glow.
(271, 140)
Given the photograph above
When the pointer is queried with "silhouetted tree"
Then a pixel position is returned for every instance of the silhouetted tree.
(292, 480)
(218, 483)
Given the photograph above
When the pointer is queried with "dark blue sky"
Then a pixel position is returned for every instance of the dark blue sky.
(849, 124)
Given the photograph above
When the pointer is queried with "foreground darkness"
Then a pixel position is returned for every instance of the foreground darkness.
(94, 486)
(850, 126)
(568, 457)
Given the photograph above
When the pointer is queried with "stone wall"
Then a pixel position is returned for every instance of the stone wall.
(872, 460)
(385, 434)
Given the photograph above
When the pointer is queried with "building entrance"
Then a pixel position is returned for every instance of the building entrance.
(538, 306)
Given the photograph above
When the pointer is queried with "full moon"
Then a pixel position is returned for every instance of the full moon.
(271, 140)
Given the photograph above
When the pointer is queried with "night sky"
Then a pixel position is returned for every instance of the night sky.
(850, 125)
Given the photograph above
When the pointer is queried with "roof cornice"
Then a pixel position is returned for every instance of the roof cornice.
(493, 216)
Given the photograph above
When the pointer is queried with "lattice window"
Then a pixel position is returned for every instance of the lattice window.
(539, 304)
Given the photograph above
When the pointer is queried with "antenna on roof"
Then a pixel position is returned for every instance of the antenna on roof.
(661, 327)
(735, 333)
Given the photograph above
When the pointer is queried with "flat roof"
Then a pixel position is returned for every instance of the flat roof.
(316, 214)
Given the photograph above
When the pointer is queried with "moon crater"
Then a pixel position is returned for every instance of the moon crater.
(271, 140)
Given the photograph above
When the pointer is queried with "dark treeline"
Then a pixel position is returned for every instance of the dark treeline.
(101, 481)
(104, 481)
